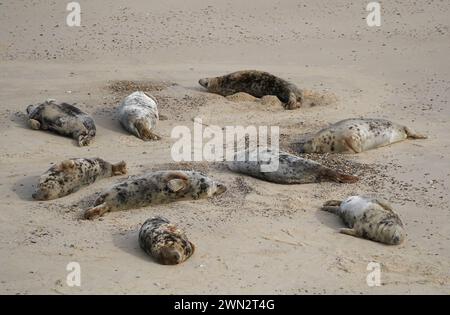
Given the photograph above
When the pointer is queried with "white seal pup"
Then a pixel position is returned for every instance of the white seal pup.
(64, 119)
(155, 188)
(368, 218)
(257, 84)
(291, 169)
(138, 114)
(358, 135)
(164, 241)
(70, 175)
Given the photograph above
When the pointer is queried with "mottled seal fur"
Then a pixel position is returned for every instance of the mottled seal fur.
(166, 243)
(155, 188)
(357, 135)
(138, 114)
(291, 169)
(70, 175)
(64, 119)
(368, 218)
(256, 83)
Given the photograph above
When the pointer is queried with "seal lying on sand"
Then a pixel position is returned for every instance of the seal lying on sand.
(256, 83)
(138, 114)
(155, 188)
(62, 118)
(368, 218)
(291, 169)
(70, 175)
(164, 241)
(358, 135)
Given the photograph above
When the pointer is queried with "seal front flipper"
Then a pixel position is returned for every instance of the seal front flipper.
(176, 184)
(34, 124)
(177, 181)
(96, 211)
(85, 139)
(351, 232)
(332, 206)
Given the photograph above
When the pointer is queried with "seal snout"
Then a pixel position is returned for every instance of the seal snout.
(203, 82)
(40, 195)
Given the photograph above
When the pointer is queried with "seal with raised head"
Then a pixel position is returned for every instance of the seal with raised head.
(70, 175)
(155, 188)
(64, 119)
(368, 218)
(138, 114)
(164, 241)
(288, 168)
(357, 135)
(256, 83)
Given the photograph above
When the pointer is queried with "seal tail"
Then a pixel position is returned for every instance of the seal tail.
(144, 132)
(339, 177)
(411, 134)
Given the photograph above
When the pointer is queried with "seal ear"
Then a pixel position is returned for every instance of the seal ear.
(176, 184)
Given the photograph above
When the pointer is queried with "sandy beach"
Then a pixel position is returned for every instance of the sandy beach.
(258, 237)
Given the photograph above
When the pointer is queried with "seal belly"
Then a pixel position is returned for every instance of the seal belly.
(372, 139)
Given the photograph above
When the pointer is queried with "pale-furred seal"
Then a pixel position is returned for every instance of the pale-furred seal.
(291, 169)
(357, 135)
(368, 218)
(155, 188)
(164, 241)
(138, 114)
(256, 83)
(70, 175)
(64, 119)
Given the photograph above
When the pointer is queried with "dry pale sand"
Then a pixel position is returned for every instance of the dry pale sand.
(258, 237)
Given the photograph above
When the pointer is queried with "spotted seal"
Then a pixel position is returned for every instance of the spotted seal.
(357, 135)
(70, 175)
(138, 114)
(164, 241)
(64, 119)
(291, 169)
(256, 83)
(368, 218)
(155, 188)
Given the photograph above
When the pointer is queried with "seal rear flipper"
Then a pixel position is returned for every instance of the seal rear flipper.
(144, 133)
(119, 168)
(96, 211)
(410, 134)
(339, 177)
(292, 102)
